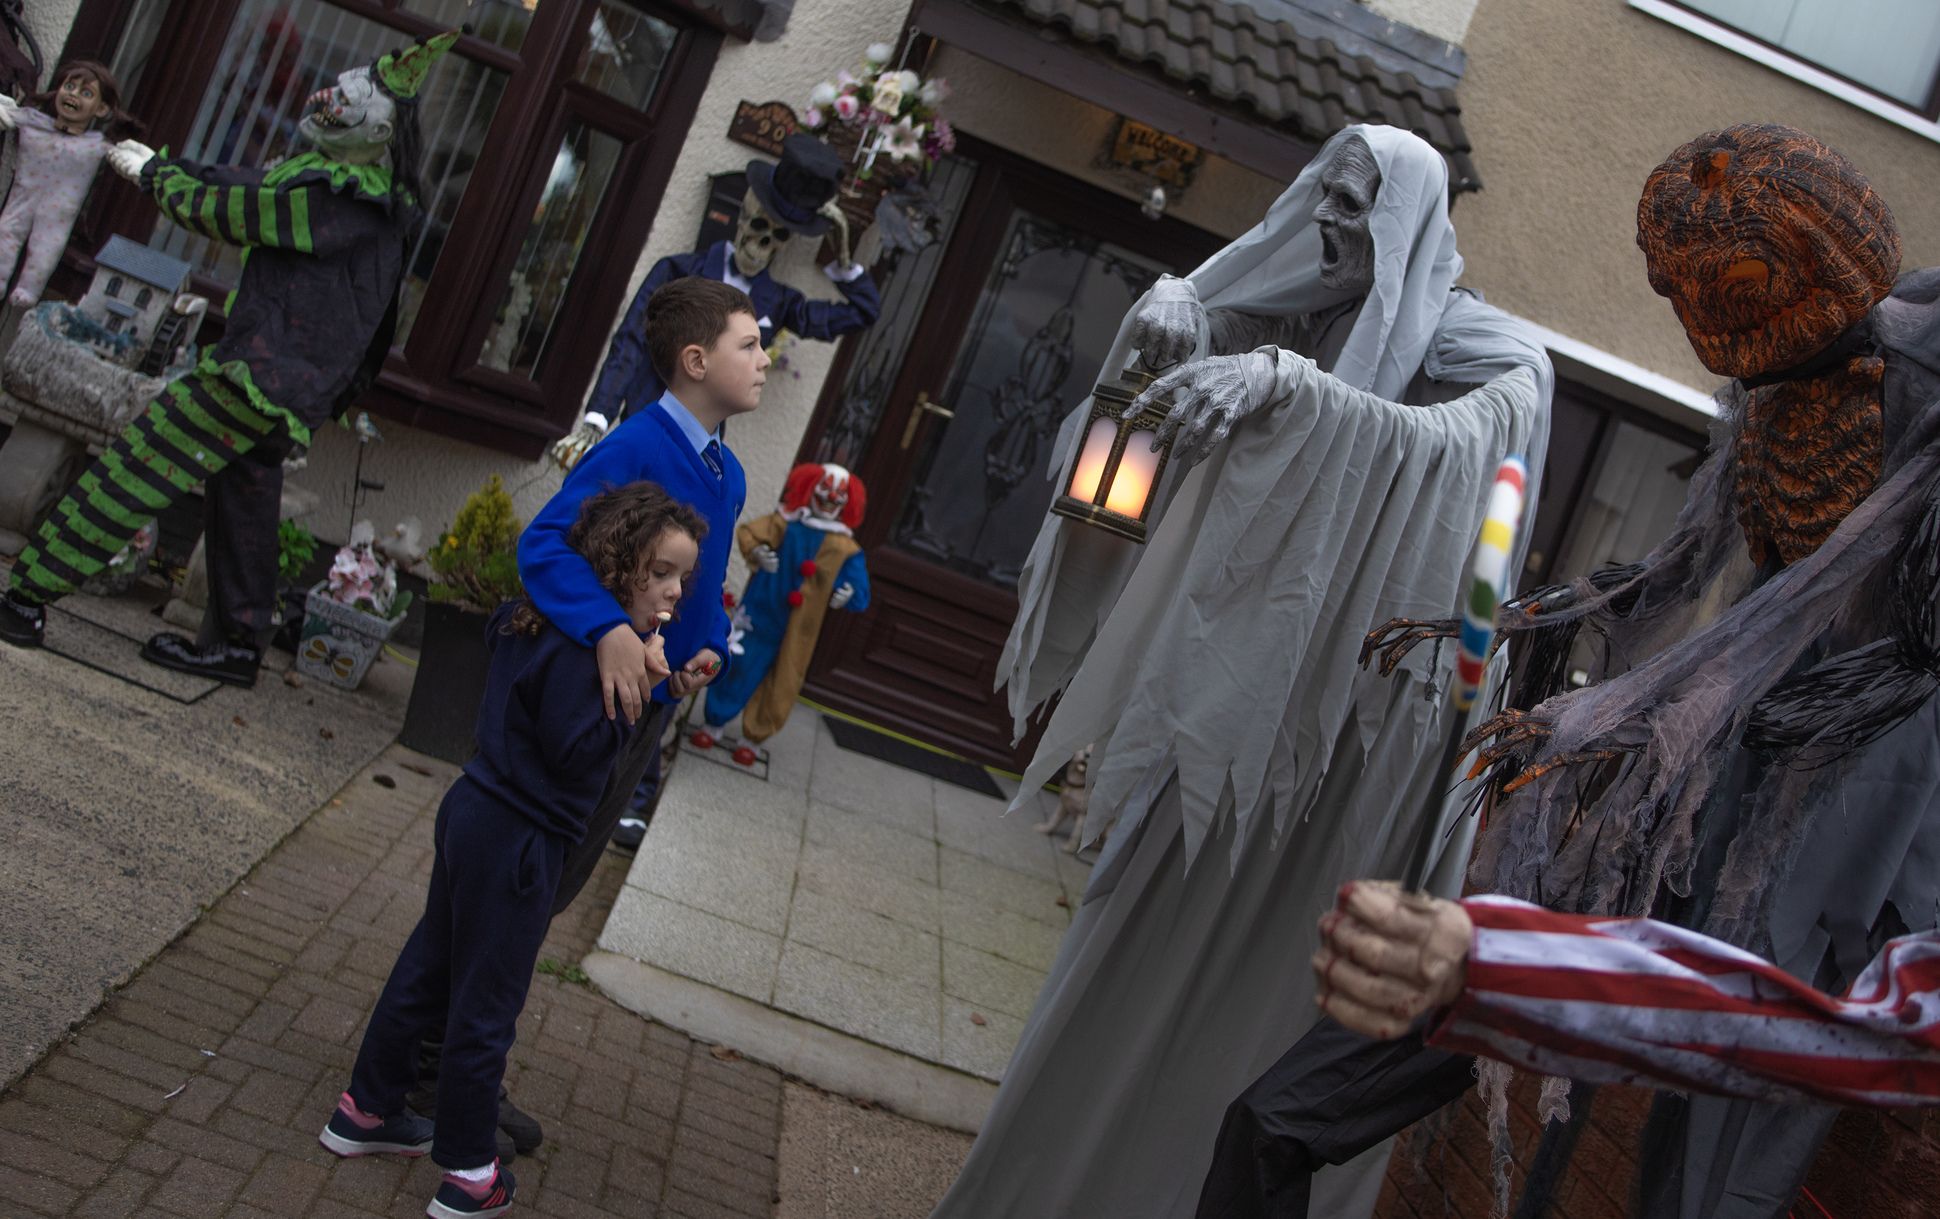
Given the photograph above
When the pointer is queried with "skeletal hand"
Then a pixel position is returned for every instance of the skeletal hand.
(1208, 397)
(128, 157)
(1387, 955)
(1396, 637)
(840, 597)
(1167, 328)
(764, 557)
(840, 233)
(568, 449)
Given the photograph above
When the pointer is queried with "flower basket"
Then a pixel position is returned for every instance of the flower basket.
(859, 196)
(339, 642)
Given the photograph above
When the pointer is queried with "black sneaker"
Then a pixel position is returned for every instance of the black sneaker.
(232, 664)
(461, 1199)
(629, 834)
(519, 1126)
(351, 1132)
(23, 623)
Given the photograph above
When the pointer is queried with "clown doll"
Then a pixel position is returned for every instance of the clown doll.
(806, 562)
(61, 144)
(325, 233)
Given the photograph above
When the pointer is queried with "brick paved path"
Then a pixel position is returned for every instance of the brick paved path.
(199, 1088)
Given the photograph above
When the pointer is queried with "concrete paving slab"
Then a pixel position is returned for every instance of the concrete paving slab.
(863, 784)
(1004, 933)
(872, 842)
(841, 1161)
(1032, 896)
(692, 943)
(865, 938)
(990, 982)
(750, 890)
(978, 1040)
(977, 825)
(829, 871)
(860, 1001)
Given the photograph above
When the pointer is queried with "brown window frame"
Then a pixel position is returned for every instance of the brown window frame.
(434, 381)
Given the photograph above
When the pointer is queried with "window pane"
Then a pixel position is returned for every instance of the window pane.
(137, 43)
(1888, 45)
(536, 293)
(502, 21)
(278, 53)
(623, 53)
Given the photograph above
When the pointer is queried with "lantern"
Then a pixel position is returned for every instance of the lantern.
(1116, 472)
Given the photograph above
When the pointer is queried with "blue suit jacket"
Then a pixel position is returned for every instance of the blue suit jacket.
(627, 381)
(561, 582)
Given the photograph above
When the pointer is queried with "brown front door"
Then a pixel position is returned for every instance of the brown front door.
(1020, 305)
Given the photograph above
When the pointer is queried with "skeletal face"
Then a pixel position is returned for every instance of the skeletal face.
(1348, 186)
(352, 120)
(756, 238)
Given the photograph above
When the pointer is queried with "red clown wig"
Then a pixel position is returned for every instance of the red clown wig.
(833, 482)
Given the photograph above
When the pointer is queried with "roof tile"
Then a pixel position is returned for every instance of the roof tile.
(1247, 61)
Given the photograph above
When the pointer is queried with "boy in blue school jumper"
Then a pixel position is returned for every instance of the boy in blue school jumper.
(545, 747)
(703, 337)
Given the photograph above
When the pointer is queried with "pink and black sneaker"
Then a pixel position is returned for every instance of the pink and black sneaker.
(458, 1198)
(352, 1132)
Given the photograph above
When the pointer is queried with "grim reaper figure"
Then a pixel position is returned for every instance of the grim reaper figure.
(1758, 754)
(1251, 765)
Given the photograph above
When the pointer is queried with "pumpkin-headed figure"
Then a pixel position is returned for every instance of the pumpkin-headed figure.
(1773, 250)
(805, 562)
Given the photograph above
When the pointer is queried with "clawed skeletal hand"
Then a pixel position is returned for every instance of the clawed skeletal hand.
(1387, 956)
(1396, 637)
(1513, 735)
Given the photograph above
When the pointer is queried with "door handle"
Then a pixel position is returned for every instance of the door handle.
(924, 406)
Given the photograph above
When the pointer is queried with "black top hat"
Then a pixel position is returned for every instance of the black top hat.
(794, 191)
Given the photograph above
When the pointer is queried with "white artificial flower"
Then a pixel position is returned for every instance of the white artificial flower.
(934, 91)
(878, 53)
(847, 107)
(822, 94)
(903, 141)
(909, 81)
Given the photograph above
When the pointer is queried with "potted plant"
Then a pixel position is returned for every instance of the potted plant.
(350, 613)
(474, 568)
(889, 124)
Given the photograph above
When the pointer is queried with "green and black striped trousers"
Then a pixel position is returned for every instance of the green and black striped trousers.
(190, 432)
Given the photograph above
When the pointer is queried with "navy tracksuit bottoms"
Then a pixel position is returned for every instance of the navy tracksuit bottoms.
(464, 971)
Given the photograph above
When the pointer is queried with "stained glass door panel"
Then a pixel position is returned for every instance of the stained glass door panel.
(1043, 324)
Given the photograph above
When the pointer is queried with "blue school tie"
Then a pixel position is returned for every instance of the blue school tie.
(712, 456)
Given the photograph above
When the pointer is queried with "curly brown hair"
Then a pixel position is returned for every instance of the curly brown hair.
(616, 532)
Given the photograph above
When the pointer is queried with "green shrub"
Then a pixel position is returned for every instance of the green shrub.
(476, 563)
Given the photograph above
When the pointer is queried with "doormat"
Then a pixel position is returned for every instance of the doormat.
(107, 650)
(955, 771)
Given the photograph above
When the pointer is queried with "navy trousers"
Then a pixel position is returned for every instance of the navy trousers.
(465, 971)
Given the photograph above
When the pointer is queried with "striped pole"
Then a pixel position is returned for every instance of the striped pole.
(1490, 579)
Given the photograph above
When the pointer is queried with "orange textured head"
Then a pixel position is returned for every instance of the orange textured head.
(1768, 243)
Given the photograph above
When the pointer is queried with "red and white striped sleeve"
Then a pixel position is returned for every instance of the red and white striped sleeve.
(1636, 1001)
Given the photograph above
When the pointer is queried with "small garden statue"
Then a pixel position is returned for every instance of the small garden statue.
(63, 135)
(807, 562)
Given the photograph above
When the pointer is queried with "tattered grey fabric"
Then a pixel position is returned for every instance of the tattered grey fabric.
(1705, 640)
(1216, 670)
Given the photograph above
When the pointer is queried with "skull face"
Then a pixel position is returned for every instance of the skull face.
(1767, 243)
(1348, 186)
(756, 238)
(831, 494)
(351, 120)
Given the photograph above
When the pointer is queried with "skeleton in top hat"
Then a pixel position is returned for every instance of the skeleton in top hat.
(794, 198)
(325, 235)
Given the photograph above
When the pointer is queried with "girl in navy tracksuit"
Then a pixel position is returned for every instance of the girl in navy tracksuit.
(545, 747)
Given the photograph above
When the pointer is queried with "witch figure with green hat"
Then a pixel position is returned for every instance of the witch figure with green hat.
(324, 236)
